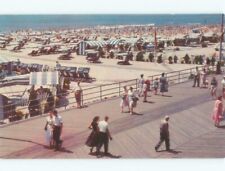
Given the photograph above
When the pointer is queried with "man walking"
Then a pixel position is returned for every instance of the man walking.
(104, 136)
(196, 77)
(164, 134)
(57, 129)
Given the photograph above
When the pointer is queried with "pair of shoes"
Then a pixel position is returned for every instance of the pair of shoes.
(99, 156)
(145, 101)
(107, 154)
(156, 149)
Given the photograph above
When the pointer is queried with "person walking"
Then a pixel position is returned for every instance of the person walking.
(93, 139)
(78, 94)
(156, 86)
(57, 129)
(49, 130)
(163, 84)
(203, 78)
(196, 77)
(218, 111)
(213, 87)
(104, 136)
(124, 101)
(223, 86)
(164, 134)
(141, 82)
(132, 99)
(145, 91)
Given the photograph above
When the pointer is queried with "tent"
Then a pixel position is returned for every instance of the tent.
(44, 78)
(83, 45)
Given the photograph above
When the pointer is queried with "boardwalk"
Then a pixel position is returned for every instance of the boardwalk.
(192, 132)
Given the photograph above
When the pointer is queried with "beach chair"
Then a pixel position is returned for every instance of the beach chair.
(83, 73)
(73, 72)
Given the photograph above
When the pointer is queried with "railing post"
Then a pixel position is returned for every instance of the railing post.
(100, 92)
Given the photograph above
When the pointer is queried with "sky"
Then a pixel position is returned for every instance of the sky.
(110, 6)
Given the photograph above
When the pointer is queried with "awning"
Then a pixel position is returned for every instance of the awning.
(96, 43)
(114, 42)
(44, 78)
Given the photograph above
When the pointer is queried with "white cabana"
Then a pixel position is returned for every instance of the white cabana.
(44, 78)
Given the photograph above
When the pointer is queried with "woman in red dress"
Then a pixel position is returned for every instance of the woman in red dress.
(218, 111)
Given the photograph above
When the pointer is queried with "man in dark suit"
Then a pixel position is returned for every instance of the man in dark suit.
(164, 134)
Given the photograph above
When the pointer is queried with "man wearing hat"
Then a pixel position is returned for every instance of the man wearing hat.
(164, 134)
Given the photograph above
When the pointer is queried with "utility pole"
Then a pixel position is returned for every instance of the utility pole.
(221, 38)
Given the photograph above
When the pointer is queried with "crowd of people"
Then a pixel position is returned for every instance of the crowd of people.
(131, 97)
(100, 134)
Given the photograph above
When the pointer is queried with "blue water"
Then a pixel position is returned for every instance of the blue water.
(37, 22)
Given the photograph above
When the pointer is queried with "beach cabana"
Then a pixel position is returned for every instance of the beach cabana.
(84, 45)
(44, 78)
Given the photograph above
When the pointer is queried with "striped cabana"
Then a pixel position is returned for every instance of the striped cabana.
(44, 78)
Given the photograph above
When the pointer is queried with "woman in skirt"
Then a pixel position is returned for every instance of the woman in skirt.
(163, 84)
(49, 130)
(213, 87)
(218, 111)
(93, 138)
(124, 101)
(132, 99)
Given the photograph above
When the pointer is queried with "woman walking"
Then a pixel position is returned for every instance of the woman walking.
(93, 138)
(218, 111)
(124, 101)
(213, 87)
(223, 86)
(49, 130)
(78, 94)
(163, 84)
(132, 100)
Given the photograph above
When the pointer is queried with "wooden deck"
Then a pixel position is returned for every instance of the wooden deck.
(192, 132)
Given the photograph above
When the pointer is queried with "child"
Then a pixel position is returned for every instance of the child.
(156, 85)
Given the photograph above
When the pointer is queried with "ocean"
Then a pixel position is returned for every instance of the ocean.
(38, 22)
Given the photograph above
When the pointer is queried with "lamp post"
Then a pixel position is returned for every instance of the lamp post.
(221, 38)
(218, 67)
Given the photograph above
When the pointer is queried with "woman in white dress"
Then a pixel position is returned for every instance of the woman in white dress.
(124, 101)
(49, 130)
(132, 99)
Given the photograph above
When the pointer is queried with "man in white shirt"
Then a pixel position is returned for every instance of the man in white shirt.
(104, 136)
(57, 129)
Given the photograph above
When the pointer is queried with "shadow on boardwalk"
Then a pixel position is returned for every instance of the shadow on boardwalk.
(16, 139)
